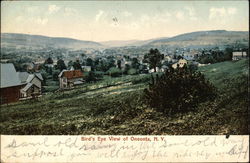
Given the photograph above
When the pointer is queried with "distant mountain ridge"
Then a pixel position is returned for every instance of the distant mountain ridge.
(120, 43)
(219, 37)
(199, 38)
(38, 41)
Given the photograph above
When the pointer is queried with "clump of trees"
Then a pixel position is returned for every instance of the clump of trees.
(114, 72)
(179, 90)
(154, 58)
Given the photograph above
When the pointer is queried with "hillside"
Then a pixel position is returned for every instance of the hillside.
(116, 106)
(194, 39)
(205, 38)
(37, 42)
(121, 43)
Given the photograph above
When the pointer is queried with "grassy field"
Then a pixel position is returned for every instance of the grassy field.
(116, 106)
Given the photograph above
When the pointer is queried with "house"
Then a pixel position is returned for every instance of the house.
(70, 78)
(239, 55)
(157, 70)
(86, 68)
(31, 84)
(181, 63)
(10, 84)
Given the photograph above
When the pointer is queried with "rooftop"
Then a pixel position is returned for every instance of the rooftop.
(9, 76)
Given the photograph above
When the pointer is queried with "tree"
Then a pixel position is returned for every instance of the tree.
(135, 63)
(114, 72)
(154, 58)
(55, 75)
(119, 64)
(179, 90)
(61, 65)
(126, 69)
(89, 62)
(70, 64)
(77, 65)
(132, 71)
(49, 61)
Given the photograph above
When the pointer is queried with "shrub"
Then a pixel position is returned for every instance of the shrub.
(114, 72)
(132, 71)
(93, 76)
(179, 90)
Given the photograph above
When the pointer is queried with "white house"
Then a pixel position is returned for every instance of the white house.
(181, 63)
(239, 55)
(86, 68)
(32, 84)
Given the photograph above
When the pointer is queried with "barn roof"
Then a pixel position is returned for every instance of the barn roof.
(23, 76)
(28, 86)
(9, 76)
(71, 74)
(39, 75)
(30, 77)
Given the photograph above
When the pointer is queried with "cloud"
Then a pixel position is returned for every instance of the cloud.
(69, 11)
(231, 11)
(179, 15)
(215, 13)
(32, 9)
(126, 13)
(41, 21)
(191, 12)
(19, 18)
(99, 15)
(53, 9)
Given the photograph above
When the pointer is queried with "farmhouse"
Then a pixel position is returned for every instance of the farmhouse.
(70, 78)
(180, 63)
(239, 55)
(32, 84)
(10, 84)
(86, 68)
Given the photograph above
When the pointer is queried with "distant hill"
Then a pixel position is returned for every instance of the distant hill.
(205, 38)
(122, 43)
(37, 41)
(194, 39)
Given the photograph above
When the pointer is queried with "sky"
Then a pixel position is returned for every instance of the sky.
(122, 20)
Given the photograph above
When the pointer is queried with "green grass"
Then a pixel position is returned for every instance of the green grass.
(116, 106)
(220, 73)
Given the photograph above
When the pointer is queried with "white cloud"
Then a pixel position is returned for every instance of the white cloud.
(41, 21)
(69, 11)
(126, 13)
(179, 15)
(53, 8)
(215, 13)
(32, 9)
(231, 10)
(99, 15)
(191, 12)
(19, 18)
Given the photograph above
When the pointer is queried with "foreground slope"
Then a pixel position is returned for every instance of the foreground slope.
(116, 106)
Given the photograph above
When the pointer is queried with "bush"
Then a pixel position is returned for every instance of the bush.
(114, 72)
(178, 90)
(132, 71)
(93, 76)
